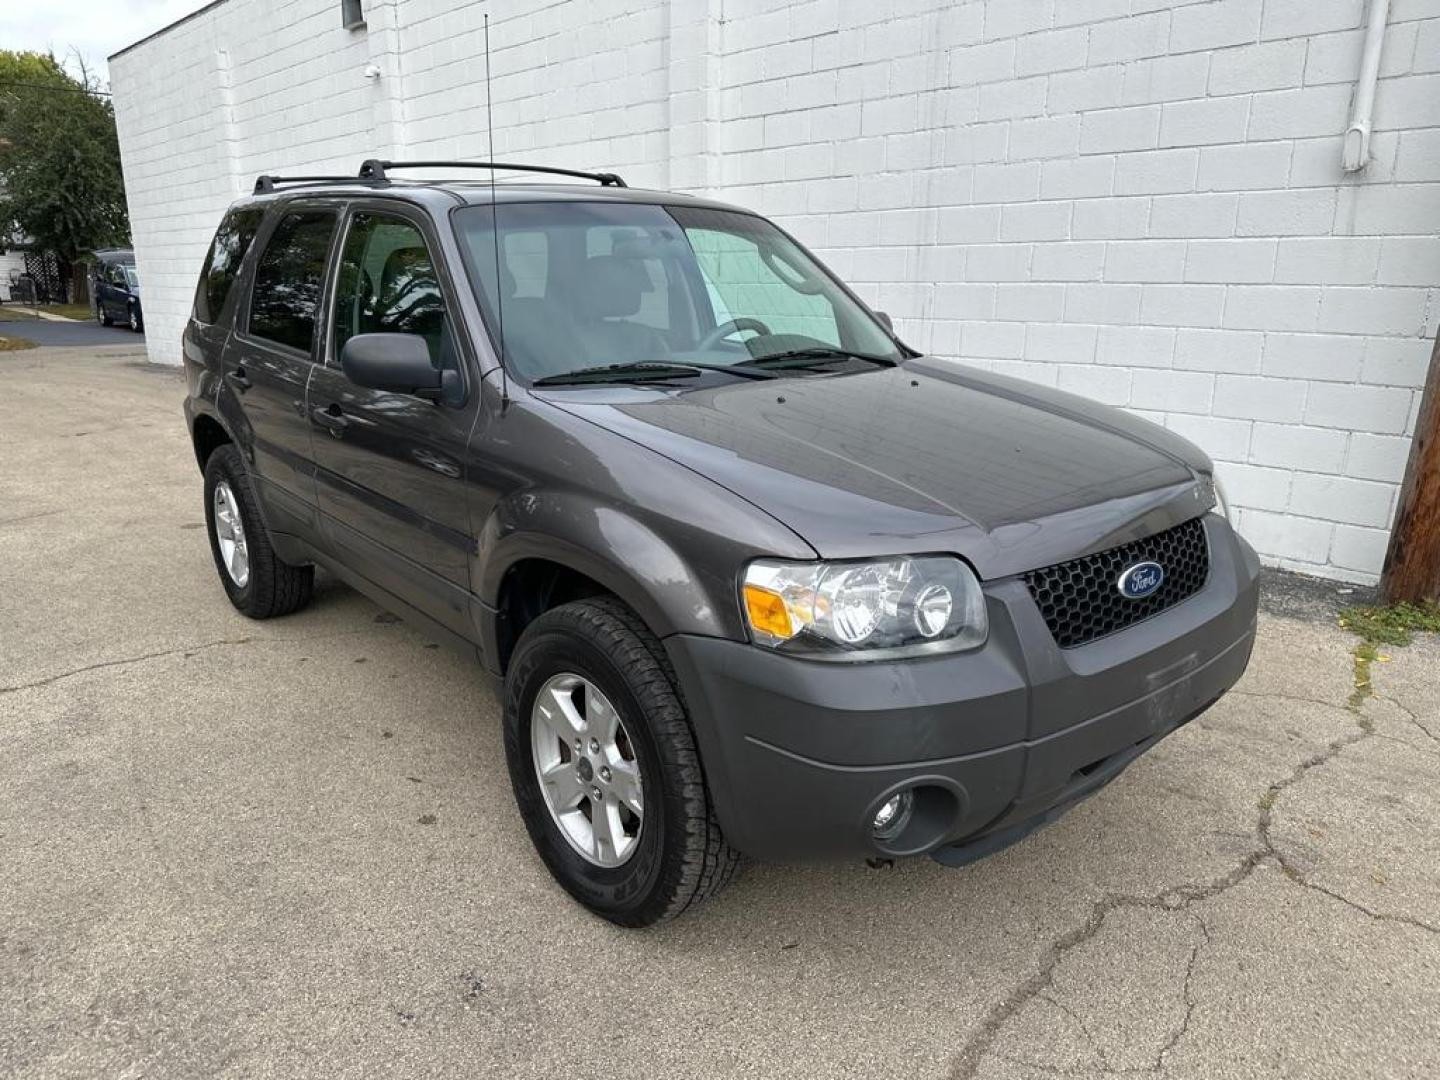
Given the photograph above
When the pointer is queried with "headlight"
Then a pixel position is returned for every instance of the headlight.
(865, 610)
(1222, 504)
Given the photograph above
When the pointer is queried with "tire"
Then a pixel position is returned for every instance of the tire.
(268, 587)
(134, 321)
(102, 314)
(679, 856)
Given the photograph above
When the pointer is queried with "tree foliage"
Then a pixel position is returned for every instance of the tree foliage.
(60, 180)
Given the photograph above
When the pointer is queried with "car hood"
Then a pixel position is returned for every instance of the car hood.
(927, 456)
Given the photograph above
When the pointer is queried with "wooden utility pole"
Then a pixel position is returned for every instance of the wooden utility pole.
(1412, 565)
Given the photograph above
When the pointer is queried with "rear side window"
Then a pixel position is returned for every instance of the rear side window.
(288, 278)
(222, 263)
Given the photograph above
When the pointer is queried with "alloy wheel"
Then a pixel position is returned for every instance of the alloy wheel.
(230, 535)
(585, 762)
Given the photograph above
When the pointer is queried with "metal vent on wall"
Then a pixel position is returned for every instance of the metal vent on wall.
(352, 14)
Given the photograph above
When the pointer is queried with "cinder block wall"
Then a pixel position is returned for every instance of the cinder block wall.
(1140, 200)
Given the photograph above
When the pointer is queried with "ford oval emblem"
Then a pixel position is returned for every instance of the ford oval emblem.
(1140, 580)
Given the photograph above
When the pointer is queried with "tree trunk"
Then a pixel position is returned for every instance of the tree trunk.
(79, 283)
(1412, 565)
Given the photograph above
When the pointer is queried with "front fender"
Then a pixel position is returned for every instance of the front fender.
(613, 547)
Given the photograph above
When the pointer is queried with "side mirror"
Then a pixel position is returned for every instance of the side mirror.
(399, 363)
(884, 317)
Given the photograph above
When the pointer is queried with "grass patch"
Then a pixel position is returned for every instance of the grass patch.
(15, 344)
(67, 311)
(1396, 625)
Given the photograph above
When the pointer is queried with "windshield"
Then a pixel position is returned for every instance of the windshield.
(585, 285)
(131, 277)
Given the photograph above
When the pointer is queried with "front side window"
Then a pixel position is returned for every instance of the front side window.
(132, 277)
(582, 285)
(222, 264)
(388, 285)
(288, 279)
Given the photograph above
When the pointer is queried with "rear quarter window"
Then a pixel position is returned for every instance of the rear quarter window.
(222, 262)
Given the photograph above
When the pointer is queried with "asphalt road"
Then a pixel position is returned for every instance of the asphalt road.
(288, 849)
(69, 333)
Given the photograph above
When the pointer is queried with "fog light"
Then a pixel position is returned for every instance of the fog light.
(893, 816)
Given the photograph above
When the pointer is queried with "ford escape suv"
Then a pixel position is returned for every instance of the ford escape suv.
(758, 577)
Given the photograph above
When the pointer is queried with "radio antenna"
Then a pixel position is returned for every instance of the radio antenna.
(495, 220)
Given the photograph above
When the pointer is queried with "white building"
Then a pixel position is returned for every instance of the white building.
(1141, 200)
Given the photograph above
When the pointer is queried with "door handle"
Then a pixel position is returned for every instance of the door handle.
(239, 378)
(331, 418)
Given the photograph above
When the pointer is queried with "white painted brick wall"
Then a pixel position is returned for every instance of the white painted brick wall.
(1139, 200)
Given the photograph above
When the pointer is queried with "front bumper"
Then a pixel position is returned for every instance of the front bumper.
(799, 754)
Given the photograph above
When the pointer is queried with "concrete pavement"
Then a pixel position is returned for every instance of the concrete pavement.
(289, 848)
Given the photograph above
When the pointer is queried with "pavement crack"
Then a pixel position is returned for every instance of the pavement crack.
(121, 662)
(1275, 696)
(1084, 1029)
(30, 517)
(1188, 992)
(1410, 714)
(1176, 898)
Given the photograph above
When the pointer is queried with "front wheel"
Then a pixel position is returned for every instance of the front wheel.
(134, 320)
(605, 768)
(258, 583)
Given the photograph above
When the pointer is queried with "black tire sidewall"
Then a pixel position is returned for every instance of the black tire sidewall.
(633, 893)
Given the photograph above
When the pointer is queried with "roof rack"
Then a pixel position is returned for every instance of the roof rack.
(375, 170)
(266, 184)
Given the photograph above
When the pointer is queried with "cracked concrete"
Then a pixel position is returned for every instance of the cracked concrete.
(214, 862)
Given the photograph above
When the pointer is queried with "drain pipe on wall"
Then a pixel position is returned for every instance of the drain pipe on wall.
(1357, 135)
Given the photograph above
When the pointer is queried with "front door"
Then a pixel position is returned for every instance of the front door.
(389, 467)
(111, 297)
(269, 359)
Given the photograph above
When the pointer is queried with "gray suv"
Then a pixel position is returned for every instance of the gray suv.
(758, 577)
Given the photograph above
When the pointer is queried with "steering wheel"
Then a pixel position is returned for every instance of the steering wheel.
(725, 329)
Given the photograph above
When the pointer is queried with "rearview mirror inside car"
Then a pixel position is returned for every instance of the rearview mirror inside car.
(399, 363)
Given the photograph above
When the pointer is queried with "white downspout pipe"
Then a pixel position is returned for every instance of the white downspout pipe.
(1357, 135)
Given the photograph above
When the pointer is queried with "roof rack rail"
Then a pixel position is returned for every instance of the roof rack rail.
(375, 170)
(265, 184)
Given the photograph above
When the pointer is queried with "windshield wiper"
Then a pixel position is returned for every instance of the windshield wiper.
(814, 357)
(636, 372)
(647, 371)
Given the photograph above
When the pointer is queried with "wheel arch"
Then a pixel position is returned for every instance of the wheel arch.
(207, 434)
(522, 574)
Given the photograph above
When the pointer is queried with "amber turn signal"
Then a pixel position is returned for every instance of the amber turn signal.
(767, 612)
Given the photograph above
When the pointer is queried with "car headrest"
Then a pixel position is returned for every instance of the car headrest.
(402, 266)
(610, 286)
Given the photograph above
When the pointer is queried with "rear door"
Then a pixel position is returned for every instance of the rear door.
(389, 467)
(269, 359)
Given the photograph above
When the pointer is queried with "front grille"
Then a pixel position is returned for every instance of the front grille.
(1081, 599)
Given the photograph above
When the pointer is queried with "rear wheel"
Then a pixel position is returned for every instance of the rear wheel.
(258, 583)
(605, 768)
(101, 313)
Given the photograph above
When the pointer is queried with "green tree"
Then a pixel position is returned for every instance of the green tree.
(60, 179)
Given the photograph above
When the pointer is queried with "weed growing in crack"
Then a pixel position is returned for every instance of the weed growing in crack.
(1376, 626)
